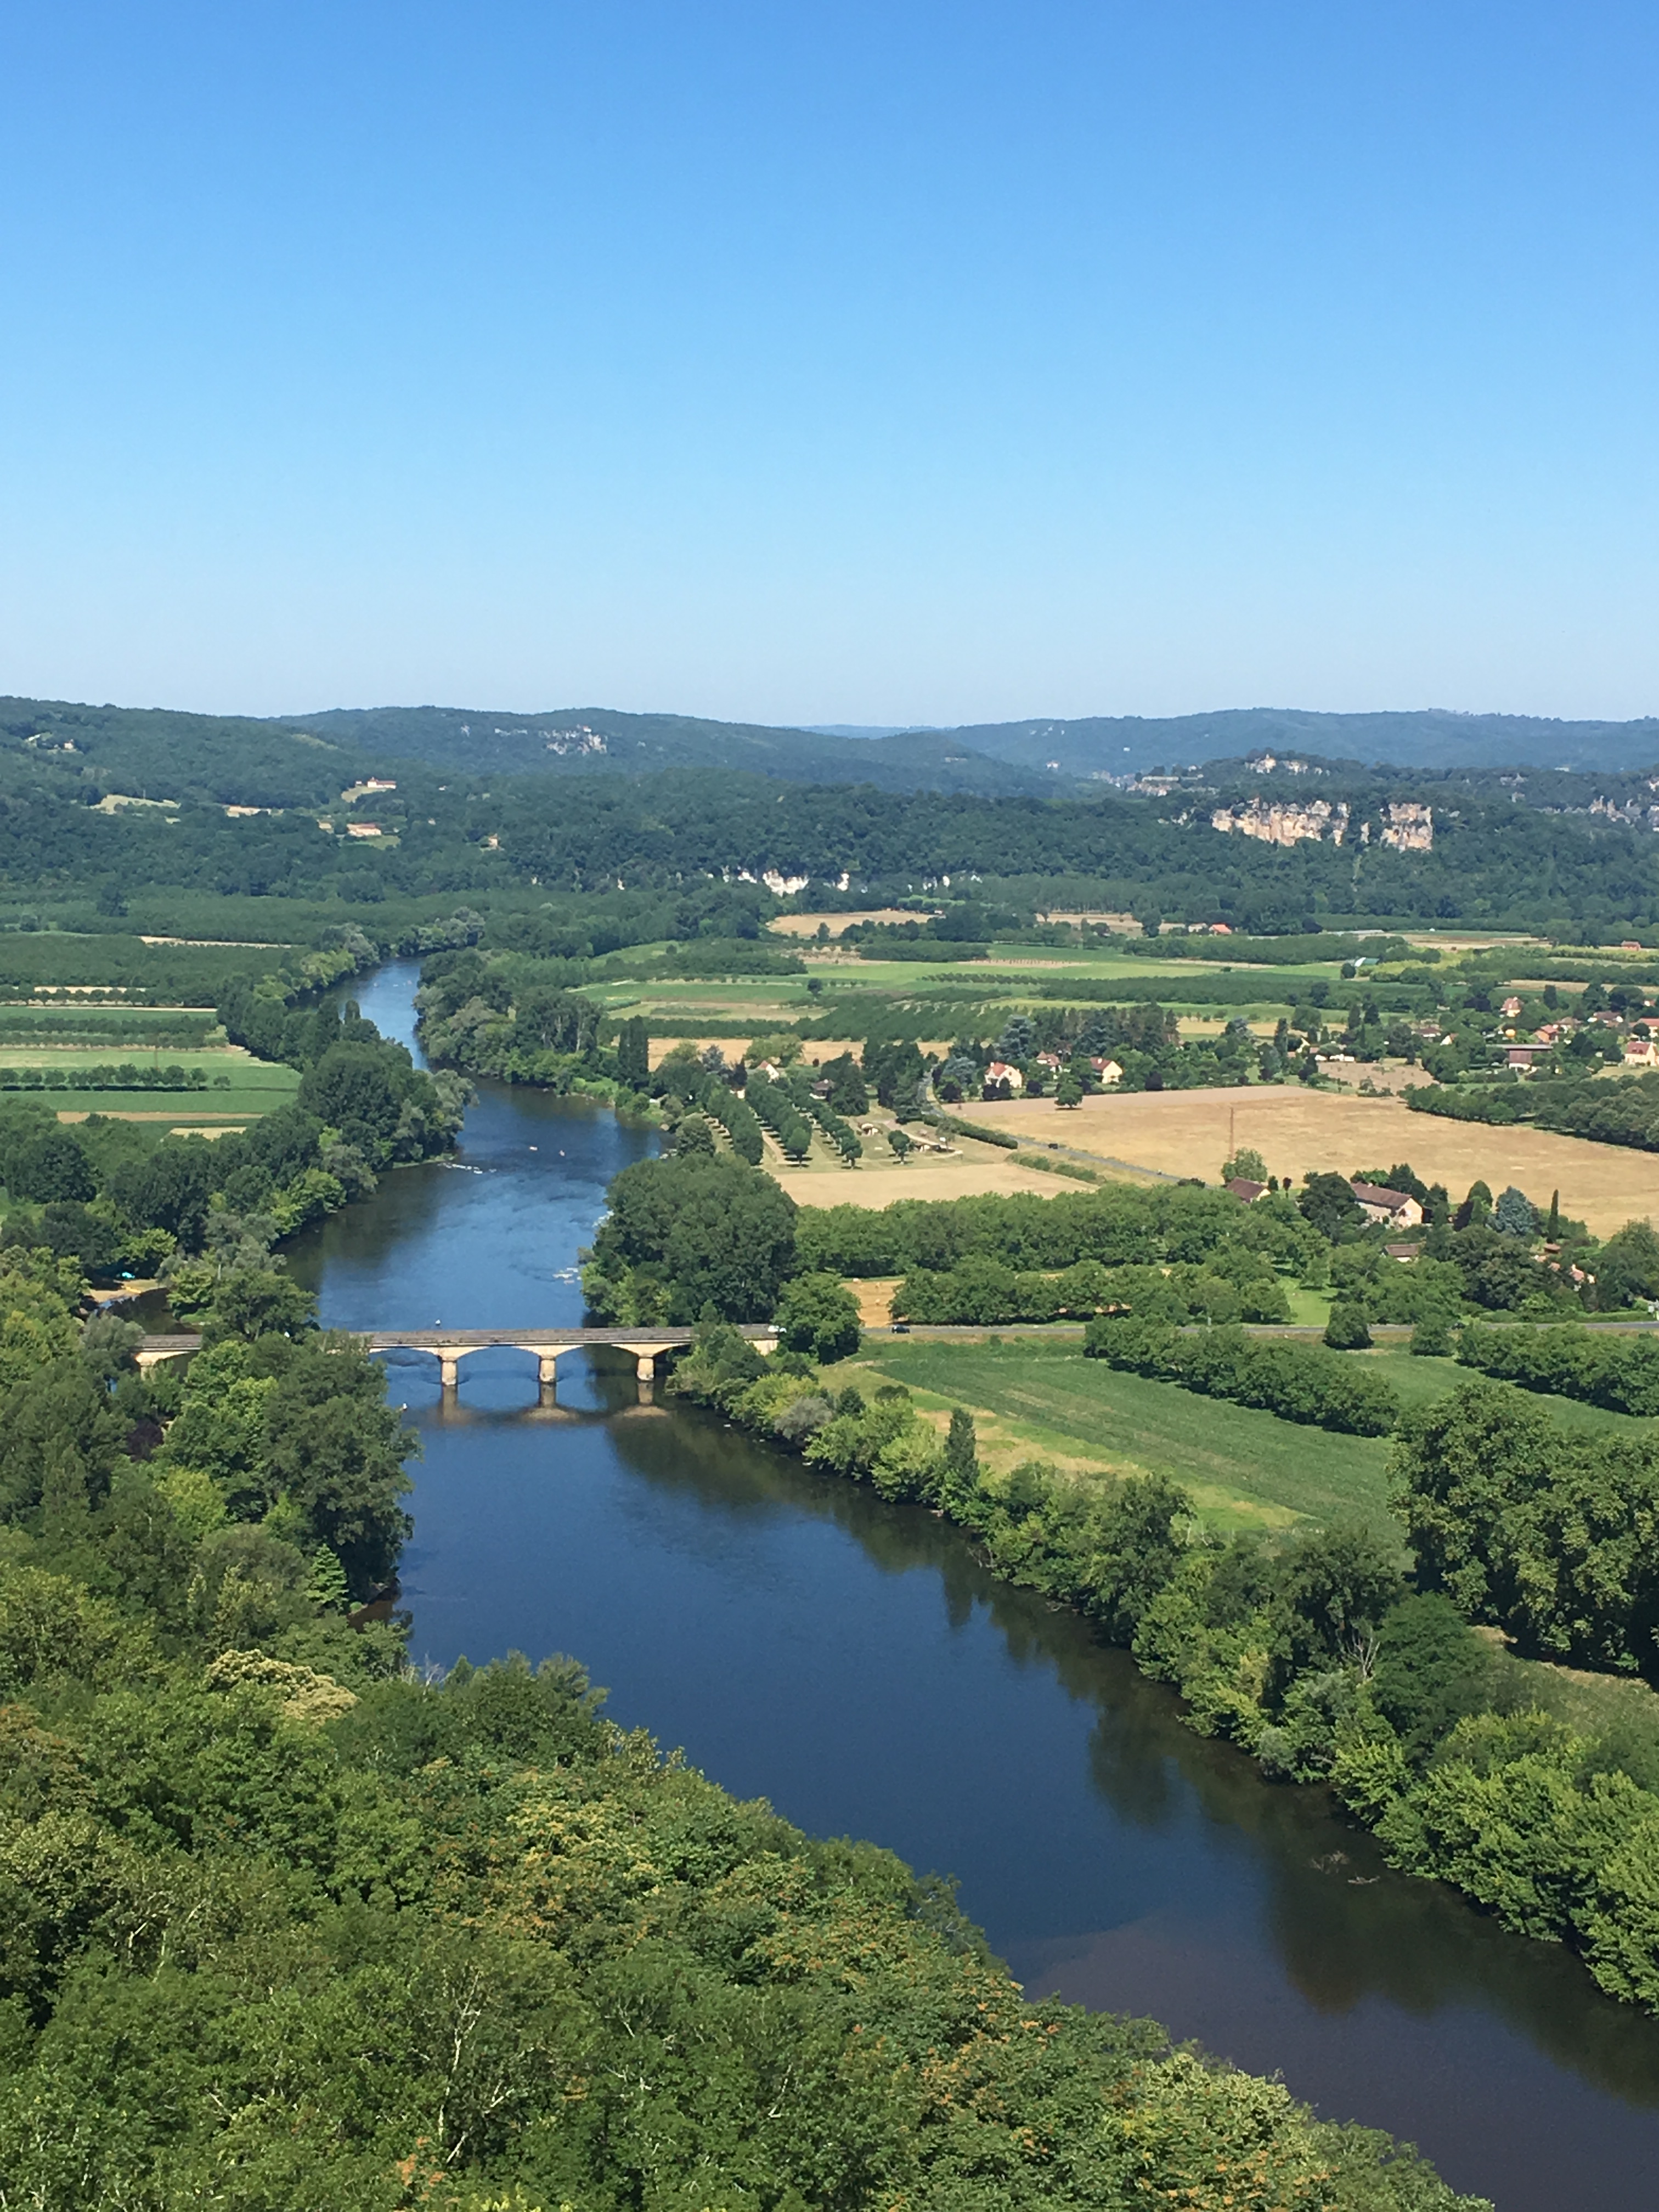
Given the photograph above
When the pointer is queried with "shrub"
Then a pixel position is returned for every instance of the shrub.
(1347, 1329)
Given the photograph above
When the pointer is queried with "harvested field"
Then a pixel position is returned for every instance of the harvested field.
(1297, 1131)
(962, 1176)
(806, 925)
(874, 1294)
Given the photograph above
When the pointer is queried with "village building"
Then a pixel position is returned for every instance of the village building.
(1394, 1209)
(1245, 1191)
(1000, 1072)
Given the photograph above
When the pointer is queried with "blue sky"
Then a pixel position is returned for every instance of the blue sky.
(851, 363)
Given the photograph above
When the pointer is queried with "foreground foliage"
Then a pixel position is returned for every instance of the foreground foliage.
(284, 1928)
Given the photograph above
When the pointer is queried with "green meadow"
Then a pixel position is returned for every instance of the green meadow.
(1040, 1398)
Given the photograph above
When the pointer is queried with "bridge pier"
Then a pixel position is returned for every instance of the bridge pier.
(449, 1360)
(644, 1367)
(547, 1371)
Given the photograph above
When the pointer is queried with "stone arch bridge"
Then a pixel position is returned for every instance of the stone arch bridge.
(450, 1347)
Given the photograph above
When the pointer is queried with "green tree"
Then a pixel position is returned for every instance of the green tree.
(253, 1302)
(1139, 1538)
(1429, 1671)
(818, 1314)
(1458, 1468)
(326, 1585)
(352, 1088)
(1432, 1337)
(55, 1166)
(633, 1053)
(1246, 1166)
(1514, 1214)
(1327, 1203)
(716, 1233)
(1476, 1208)
(962, 1450)
(692, 1137)
(335, 1450)
(848, 1092)
(1348, 1328)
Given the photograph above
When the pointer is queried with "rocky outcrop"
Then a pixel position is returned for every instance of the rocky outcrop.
(1275, 823)
(1409, 826)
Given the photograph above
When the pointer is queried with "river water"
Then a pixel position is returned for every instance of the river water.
(851, 1662)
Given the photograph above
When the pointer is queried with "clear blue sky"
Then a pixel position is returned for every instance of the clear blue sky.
(863, 361)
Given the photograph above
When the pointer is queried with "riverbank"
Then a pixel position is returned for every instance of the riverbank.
(1557, 1770)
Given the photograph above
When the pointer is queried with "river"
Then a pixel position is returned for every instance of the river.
(852, 1662)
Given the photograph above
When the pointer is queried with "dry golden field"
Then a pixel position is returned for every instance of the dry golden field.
(966, 1174)
(806, 925)
(1188, 1133)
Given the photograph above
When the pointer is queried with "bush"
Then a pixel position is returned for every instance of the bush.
(1347, 1329)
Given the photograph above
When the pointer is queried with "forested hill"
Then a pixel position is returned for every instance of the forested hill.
(1108, 745)
(155, 752)
(586, 739)
(307, 760)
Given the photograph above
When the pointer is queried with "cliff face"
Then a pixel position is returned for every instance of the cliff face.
(1275, 823)
(1409, 827)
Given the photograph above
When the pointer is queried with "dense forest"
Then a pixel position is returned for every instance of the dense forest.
(100, 807)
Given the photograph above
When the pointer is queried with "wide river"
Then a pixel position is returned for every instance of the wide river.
(851, 1662)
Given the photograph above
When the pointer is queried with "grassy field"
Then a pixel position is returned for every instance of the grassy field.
(249, 1087)
(1037, 1399)
(1420, 1381)
(1034, 1398)
(1189, 1133)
